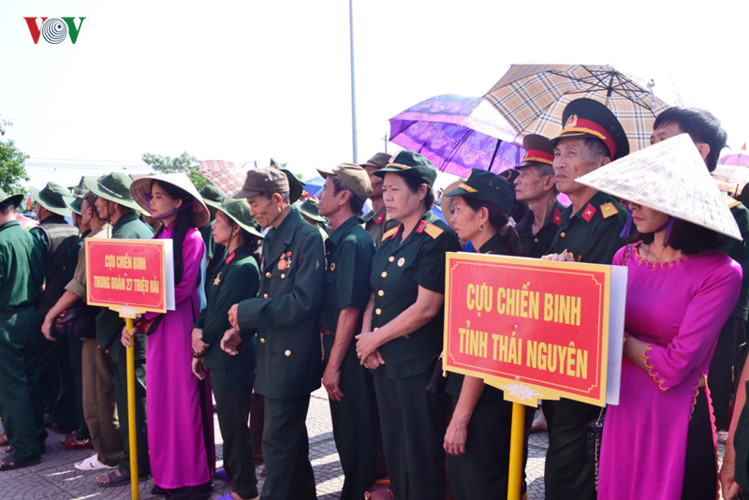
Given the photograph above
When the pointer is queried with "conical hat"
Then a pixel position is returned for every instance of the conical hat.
(670, 177)
(199, 215)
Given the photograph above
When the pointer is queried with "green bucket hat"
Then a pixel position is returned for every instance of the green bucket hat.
(310, 208)
(238, 210)
(212, 195)
(113, 187)
(296, 187)
(53, 197)
(75, 203)
(15, 199)
(410, 164)
(487, 187)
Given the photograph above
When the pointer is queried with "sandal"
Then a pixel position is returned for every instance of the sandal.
(73, 443)
(114, 480)
(9, 463)
(4, 439)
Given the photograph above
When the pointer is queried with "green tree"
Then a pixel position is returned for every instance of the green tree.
(12, 168)
(182, 163)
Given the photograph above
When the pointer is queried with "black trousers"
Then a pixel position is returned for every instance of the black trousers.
(700, 479)
(286, 451)
(141, 421)
(413, 427)
(232, 389)
(724, 369)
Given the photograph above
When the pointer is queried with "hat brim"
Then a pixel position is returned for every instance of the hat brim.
(244, 193)
(92, 184)
(199, 214)
(213, 204)
(445, 201)
(37, 196)
(15, 199)
(241, 224)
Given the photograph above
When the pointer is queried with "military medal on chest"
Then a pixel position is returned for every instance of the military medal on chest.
(284, 262)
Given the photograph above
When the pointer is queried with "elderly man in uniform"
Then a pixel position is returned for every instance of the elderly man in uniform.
(589, 232)
(97, 383)
(286, 317)
(21, 341)
(55, 237)
(377, 221)
(348, 252)
(707, 134)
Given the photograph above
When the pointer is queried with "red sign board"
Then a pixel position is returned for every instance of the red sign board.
(536, 329)
(127, 275)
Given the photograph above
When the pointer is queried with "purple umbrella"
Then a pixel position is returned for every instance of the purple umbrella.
(457, 134)
(739, 159)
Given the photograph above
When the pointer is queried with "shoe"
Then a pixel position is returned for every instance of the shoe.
(221, 474)
(4, 439)
(72, 443)
(9, 463)
(92, 463)
(113, 479)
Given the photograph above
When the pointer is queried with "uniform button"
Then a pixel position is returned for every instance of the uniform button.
(265, 295)
(376, 328)
(381, 293)
(407, 336)
(384, 274)
(283, 275)
(262, 340)
(267, 274)
(535, 240)
(287, 353)
(391, 258)
(378, 311)
(563, 234)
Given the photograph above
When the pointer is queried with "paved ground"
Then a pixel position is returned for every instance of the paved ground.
(56, 478)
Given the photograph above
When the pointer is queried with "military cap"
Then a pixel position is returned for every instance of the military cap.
(114, 187)
(53, 197)
(353, 176)
(410, 164)
(487, 187)
(379, 160)
(264, 180)
(141, 191)
(15, 199)
(310, 208)
(238, 210)
(212, 195)
(588, 118)
(538, 151)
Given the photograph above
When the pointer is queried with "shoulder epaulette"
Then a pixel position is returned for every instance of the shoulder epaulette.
(608, 209)
(731, 202)
(389, 233)
(433, 231)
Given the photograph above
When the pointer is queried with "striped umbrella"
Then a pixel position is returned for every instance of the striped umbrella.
(532, 97)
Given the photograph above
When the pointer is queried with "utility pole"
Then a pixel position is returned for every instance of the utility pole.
(353, 82)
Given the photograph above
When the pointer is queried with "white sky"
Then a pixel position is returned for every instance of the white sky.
(251, 80)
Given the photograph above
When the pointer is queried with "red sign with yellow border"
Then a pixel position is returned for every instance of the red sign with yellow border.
(536, 329)
(127, 275)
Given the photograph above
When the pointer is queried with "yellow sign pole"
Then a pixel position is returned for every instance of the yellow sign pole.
(516, 451)
(129, 323)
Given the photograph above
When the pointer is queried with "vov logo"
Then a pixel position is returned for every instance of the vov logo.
(54, 29)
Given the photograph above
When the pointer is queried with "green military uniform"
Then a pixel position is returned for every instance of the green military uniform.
(412, 419)
(377, 223)
(237, 278)
(591, 235)
(348, 252)
(536, 245)
(21, 342)
(289, 354)
(725, 367)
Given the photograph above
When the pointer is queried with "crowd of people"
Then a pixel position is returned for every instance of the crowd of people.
(277, 293)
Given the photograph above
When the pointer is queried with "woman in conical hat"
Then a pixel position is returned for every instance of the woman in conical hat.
(680, 291)
(180, 430)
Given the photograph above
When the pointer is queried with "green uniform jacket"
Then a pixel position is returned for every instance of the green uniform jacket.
(237, 278)
(54, 237)
(285, 314)
(739, 251)
(537, 245)
(21, 267)
(108, 323)
(592, 234)
(348, 252)
(398, 269)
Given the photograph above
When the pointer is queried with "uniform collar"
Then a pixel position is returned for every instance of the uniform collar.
(9, 224)
(592, 208)
(341, 230)
(128, 217)
(495, 246)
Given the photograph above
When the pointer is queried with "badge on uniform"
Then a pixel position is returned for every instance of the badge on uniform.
(589, 212)
(284, 262)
